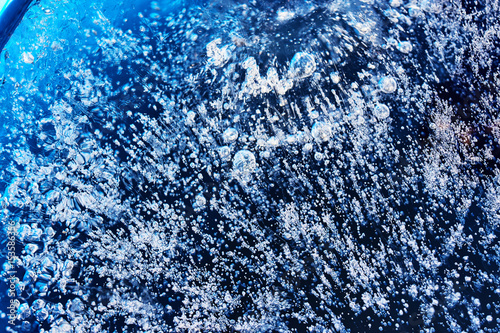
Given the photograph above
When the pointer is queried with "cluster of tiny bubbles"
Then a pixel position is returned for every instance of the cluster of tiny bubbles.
(251, 166)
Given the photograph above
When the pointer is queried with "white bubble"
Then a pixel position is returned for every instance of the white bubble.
(395, 3)
(381, 111)
(314, 114)
(23, 311)
(335, 77)
(308, 147)
(387, 84)
(265, 154)
(217, 56)
(230, 135)
(405, 47)
(244, 161)
(285, 15)
(190, 116)
(200, 202)
(302, 65)
(28, 57)
(224, 153)
(321, 131)
(273, 141)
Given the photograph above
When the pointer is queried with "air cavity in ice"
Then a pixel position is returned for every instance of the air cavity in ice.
(321, 131)
(244, 161)
(244, 164)
(230, 135)
(405, 47)
(387, 84)
(302, 66)
(381, 111)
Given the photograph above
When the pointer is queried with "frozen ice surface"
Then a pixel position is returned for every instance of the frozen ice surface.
(251, 166)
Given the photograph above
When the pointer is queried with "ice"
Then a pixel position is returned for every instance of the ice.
(262, 166)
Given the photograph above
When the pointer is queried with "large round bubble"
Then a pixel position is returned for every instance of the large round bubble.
(302, 65)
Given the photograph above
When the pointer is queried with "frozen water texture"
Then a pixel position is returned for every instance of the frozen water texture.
(251, 166)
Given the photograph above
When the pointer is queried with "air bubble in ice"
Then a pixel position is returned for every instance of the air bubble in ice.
(224, 153)
(285, 15)
(190, 118)
(405, 47)
(24, 232)
(75, 305)
(24, 311)
(31, 248)
(273, 142)
(28, 57)
(381, 111)
(244, 161)
(335, 77)
(387, 84)
(230, 135)
(302, 65)
(217, 57)
(200, 202)
(41, 315)
(38, 304)
(321, 131)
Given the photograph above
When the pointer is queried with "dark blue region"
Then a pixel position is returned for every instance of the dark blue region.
(10, 18)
